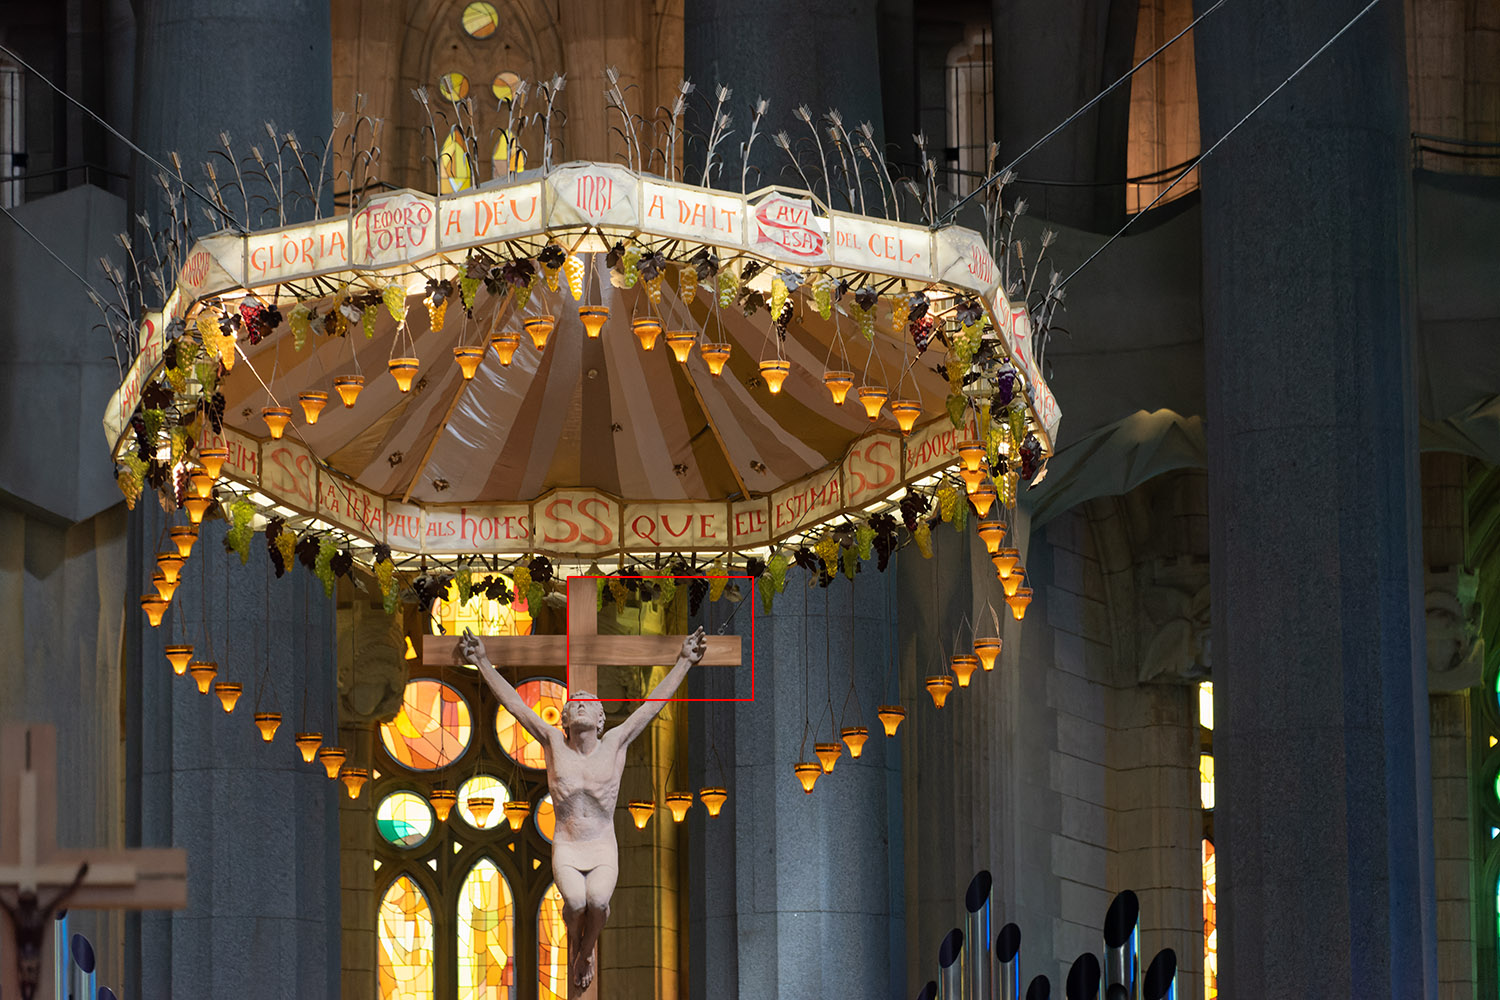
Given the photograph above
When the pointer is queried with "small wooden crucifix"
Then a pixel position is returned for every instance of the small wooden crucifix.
(37, 879)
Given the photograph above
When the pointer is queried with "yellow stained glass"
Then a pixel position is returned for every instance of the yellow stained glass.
(481, 19)
(546, 698)
(504, 85)
(1210, 924)
(483, 786)
(453, 167)
(503, 148)
(486, 935)
(545, 818)
(404, 929)
(1206, 704)
(453, 86)
(551, 947)
(432, 729)
(1206, 779)
(479, 615)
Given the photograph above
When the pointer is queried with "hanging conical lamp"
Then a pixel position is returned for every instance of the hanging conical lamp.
(480, 807)
(1005, 560)
(276, 418)
(166, 588)
(972, 454)
(1018, 602)
(828, 754)
(964, 665)
(203, 671)
(154, 607)
(170, 564)
(539, 328)
(267, 723)
(716, 356)
(679, 803)
(839, 383)
(983, 499)
(906, 412)
(987, 648)
(404, 371)
(469, 359)
(213, 460)
(348, 387)
(646, 330)
(891, 717)
(332, 759)
(992, 533)
(516, 811)
(714, 799)
(505, 344)
(938, 686)
(593, 319)
(855, 737)
(681, 342)
(354, 779)
(183, 536)
(640, 811)
(179, 657)
(196, 507)
(973, 479)
(807, 772)
(312, 404)
(1012, 583)
(443, 801)
(775, 371)
(201, 483)
(872, 398)
(229, 694)
(307, 744)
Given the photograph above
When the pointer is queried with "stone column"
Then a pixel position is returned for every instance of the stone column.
(1324, 815)
(260, 826)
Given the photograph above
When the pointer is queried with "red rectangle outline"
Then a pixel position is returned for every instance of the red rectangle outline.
(750, 596)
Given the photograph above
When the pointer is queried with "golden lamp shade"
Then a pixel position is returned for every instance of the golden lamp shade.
(640, 811)
(872, 398)
(354, 779)
(516, 811)
(203, 671)
(1018, 602)
(775, 371)
(312, 404)
(1012, 583)
(332, 759)
(679, 803)
(443, 800)
(213, 460)
(992, 533)
(198, 506)
(855, 737)
(593, 318)
(229, 694)
(681, 342)
(939, 685)
(267, 723)
(276, 418)
(646, 330)
(201, 483)
(469, 359)
(891, 717)
(964, 665)
(973, 479)
(154, 607)
(838, 383)
(539, 328)
(183, 536)
(828, 754)
(714, 799)
(307, 744)
(716, 356)
(906, 412)
(480, 807)
(179, 657)
(1005, 561)
(505, 345)
(972, 454)
(348, 387)
(807, 772)
(404, 371)
(170, 564)
(988, 650)
(983, 499)
(166, 588)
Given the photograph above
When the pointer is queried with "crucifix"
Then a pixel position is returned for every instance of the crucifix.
(583, 763)
(37, 879)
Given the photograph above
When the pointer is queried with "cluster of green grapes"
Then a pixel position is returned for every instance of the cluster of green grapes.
(385, 575)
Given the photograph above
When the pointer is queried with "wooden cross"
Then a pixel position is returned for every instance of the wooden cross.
(31, 862)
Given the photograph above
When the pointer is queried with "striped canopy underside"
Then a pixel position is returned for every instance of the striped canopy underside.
(584, 413)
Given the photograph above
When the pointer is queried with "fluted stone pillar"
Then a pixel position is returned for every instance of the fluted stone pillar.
(1324, 801)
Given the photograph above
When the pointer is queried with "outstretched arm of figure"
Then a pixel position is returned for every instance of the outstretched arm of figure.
(64, 894)
(471, 650)
(693, 648)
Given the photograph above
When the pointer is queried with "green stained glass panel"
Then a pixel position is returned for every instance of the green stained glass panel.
(404, 819)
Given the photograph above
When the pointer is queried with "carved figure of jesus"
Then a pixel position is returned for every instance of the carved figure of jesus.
(584, 766)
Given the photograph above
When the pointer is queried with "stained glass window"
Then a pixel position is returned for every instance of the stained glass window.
(431, 730)
(479, 614)
(404, 819)
(504, 86)
(453, 170)
(482, 787)
(453, 86)
(546, 818)
(486, 935)
(546, 698)
(481, 19)
(1210, 924)
(551, 947)
(404, 967)
(502, 150)
(1206, 779)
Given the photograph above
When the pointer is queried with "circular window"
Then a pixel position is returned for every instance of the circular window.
(431, 730)
(545, 817)
(504, 85)
(481, 20)
(403, 819)
(480, 800)
(546, 698)
(453, 86)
